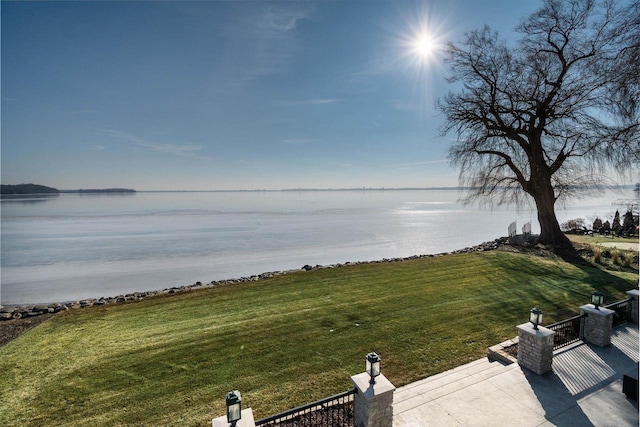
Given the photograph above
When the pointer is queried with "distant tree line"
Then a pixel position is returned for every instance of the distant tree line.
(103, 190)
(27, 189)
(41, 189)
(626, 227)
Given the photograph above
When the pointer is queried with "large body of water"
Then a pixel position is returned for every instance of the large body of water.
(75, 246)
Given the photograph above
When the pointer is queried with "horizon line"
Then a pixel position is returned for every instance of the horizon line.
(257, 190)
(260, 190)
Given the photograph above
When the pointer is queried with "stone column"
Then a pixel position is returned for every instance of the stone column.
(598, 325)
(373, 404)
(633, 294)
(535, 348)
(246, 420)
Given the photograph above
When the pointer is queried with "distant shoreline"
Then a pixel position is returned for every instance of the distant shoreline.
(36, 189)
(106, 190)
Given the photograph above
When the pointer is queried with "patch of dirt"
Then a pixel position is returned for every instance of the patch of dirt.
(11, 329)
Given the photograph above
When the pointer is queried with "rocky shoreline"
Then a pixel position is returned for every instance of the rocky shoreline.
(22, 312)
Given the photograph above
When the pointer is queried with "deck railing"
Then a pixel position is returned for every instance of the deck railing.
(334, 411)
(621, 311)
(567, 331)
(572, 330)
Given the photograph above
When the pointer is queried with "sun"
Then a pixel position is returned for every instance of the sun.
(424, 46)
(420, 44)
(423, 38)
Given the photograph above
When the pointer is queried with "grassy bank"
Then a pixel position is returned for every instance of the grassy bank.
(284, 341)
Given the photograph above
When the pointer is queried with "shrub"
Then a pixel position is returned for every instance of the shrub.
(597, 255)
(572, 226)
(615, 257)
(628, 259)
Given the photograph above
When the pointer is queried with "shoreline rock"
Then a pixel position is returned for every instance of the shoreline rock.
(9, 312)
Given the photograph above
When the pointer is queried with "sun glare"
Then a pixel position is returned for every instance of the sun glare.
(420, 44)
(423, 38)
(424, 46)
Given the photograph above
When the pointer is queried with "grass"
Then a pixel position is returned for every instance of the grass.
(282, 342)
(597, 240)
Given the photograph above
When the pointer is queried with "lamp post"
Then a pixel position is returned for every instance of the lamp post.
(372, 366)
(535, 317)
(597, 299)
(234, 407)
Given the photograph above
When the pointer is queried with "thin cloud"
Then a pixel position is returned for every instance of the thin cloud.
(181, 149)
(313, 101)
(322, 101)
(79, 112)
(283, 19)
(412, 164)
(263, 40)
(400, 106)
(298, 140)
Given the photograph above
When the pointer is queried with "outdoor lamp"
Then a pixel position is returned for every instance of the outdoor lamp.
(535, 317)
(597, 298)
(234, 407)
(372, 366)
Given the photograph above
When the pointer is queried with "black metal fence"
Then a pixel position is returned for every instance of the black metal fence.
(621, 311)
(567, 331)
(572, 330)
(334, 411)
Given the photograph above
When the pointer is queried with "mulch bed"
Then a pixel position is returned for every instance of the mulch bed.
(10, 329)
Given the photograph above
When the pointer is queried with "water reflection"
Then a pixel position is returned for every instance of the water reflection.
(27, 198)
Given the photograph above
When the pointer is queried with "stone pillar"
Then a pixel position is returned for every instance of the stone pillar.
(535, 348)
(373, 404)
(598, 325)
(633, 294)
(246, 420)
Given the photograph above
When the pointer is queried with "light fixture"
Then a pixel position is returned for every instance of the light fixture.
(535, 317)
(372, 366)
(234, 407)
(597, 299)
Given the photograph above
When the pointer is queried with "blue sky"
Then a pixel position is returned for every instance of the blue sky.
(231, 95)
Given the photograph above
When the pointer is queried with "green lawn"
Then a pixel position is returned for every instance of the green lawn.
(282, 342)
(597, 239)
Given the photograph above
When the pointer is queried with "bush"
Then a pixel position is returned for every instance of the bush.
(628, 259)
(615, 257)
(597, 255)
(572, 226)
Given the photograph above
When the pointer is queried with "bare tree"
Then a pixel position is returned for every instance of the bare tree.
(553, 112)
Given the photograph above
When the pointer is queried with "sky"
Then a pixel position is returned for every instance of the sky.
(225, 95)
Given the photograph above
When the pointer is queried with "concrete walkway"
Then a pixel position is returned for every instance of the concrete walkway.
(584, 389)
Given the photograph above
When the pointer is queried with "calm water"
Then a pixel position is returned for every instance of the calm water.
(76, 246)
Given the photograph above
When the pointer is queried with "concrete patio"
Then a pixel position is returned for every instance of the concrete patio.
(584, 389)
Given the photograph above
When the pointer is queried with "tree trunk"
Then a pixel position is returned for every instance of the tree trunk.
(550, 232)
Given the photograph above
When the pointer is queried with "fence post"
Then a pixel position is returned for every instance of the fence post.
(633, 294)
(535, 348)
(373, 403)
(245, 421)
(598, 325)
